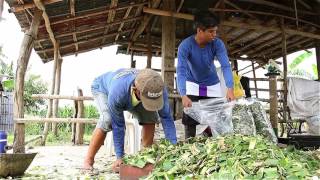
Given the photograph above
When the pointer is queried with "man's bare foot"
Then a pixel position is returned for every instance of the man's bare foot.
(88, 164)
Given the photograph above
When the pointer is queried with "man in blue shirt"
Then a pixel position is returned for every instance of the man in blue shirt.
(140, 92)
(196, 73)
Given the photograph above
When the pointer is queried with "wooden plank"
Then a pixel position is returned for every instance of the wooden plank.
(18, 8)
(23, 60)
(56, 120)
(46, 96)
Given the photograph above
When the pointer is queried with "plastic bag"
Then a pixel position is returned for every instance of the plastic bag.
(314, 125)
(242, 119)
(262, 122)
(215, 112)
(237, 87)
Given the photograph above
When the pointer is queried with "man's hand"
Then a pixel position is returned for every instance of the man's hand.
(186, 102)
(116, 165)
(230, 95)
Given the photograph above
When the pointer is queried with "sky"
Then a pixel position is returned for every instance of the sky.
(79, 71)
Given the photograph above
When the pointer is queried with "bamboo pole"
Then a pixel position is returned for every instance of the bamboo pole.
(80, 126)
(22, 64)
(273, 102)
(56, 92)
(149, 43)
(285, 71)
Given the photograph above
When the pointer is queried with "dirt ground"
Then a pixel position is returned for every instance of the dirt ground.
(64, 162)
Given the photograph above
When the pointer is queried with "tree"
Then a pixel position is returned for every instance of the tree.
(33, 85)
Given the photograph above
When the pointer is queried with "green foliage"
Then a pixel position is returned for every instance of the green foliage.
(65, 112)
(91, 111)
(299, 60)
(34, 85)
(315, 70)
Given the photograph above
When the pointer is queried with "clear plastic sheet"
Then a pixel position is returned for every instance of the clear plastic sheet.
(242, 119)
(314, 125)
(262, 122)
(215, 112)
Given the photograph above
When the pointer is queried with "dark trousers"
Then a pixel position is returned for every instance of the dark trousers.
(189, 123)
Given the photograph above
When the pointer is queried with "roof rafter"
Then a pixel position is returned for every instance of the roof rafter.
(110, 19)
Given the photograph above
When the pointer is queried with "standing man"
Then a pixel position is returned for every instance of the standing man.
(141, 92)
(196, 73)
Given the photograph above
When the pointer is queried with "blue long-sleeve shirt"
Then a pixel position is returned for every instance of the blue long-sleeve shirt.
(196, 65)
(117, 87)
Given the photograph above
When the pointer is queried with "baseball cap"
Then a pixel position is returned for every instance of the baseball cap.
(150, 85)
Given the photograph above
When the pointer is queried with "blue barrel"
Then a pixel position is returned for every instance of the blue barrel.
(3, 141)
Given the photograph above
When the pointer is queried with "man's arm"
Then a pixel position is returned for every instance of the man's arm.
(223, 59)
(167, 121)
(182, 68)
(118, 125)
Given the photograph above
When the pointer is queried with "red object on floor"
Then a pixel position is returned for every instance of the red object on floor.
(128, 172)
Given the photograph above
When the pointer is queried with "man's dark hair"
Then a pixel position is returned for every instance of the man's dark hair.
(205, 19)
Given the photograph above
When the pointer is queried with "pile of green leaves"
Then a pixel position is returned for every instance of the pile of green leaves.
(231, 157)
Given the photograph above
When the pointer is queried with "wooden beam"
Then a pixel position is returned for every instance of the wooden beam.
(264, 44)
(278, 6)
(305, 4)
(259, 27)
(56, 120)
(265, 13)
(22, 64)
(138, 12)
(92, 29)
(254, 76)
(124, 17)
(73, 14)
(75, 98)
(85, 40)
(285, 70)
(251, 43)
(241, 36)
(149, 43)
(168, 45)
(110, 19)
(89, 14)
(146, 19)
(168, 13)
(18, 8)
(237, 7)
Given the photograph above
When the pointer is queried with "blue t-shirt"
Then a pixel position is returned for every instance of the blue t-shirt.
(195, 64)
(117, 86)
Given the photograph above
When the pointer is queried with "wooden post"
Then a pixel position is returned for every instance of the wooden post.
(56, 92)
(254, 76)
(273, 102)
(50, 102)
(168, 48)
(80, 126)
(168, 45)
(133, 62)
(22, 64)
(285, 71)
(318, 58)
(149, 57)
